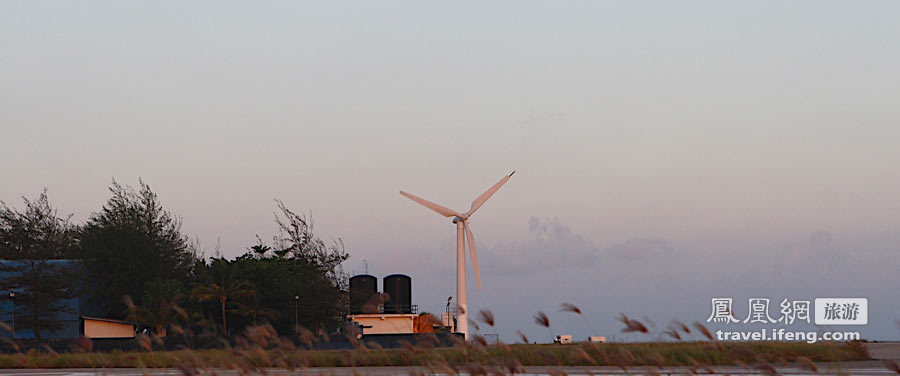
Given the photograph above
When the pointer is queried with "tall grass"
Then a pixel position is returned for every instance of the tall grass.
(581, 354)
(261, 347)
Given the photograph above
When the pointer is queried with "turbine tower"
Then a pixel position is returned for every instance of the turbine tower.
(463, 233)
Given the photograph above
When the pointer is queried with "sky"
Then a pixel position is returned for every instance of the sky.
(666, 153)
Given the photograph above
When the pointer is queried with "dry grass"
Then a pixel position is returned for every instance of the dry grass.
(699, 354)
(260, 347)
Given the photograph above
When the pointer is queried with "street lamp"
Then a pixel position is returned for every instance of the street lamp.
(448, 312)
(12, 299)
(296, 314)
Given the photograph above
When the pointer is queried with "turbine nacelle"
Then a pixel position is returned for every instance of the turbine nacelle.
(464, 217)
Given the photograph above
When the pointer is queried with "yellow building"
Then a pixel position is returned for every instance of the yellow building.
(95, 327)
(386, 323)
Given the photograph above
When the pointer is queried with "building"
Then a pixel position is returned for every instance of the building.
(77, 314)
(69, 319)
(95, 327)
(385, 323)
(391, 312)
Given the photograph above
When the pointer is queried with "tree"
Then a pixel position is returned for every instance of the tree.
(34, 245)
(296, 239)
(298, 263)
(162, 306)
(225, 285)
(255, 309)
(131, 242)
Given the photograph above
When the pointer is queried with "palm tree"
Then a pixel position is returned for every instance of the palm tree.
(255, 309)
(160, 313)
(225, 285)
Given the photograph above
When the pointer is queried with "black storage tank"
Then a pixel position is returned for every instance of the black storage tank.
(398, 288)
(362, 288)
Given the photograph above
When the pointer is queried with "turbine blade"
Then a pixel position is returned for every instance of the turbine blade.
(428, 204)
(487, 194)
(472, 252)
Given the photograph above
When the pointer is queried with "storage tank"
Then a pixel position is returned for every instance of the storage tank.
(362, 288)
(398, 287)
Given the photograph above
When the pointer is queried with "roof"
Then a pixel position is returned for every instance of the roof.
(108, 320)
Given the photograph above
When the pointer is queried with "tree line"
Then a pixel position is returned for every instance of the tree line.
(130, 260)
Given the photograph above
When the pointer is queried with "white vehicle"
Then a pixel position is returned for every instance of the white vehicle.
(563, 339)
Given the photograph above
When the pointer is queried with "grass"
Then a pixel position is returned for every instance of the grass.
(283, 354)
(261, 347)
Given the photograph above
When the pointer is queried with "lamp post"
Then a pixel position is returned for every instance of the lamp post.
(297, 314)
(448, 313)
(12, 299)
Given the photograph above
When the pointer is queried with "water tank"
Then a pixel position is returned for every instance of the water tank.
(398, 287)
(362, 288)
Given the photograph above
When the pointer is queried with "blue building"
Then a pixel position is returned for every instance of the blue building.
(10, 313)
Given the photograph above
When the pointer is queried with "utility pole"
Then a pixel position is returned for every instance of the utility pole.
(297, 314)
(12, 298)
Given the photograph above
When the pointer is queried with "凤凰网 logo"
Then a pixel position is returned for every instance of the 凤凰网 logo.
(827, 311)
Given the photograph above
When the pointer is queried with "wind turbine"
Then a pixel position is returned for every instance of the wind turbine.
(463, 233)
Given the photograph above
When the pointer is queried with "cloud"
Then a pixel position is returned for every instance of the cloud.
(551, 245)
(641, 248)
